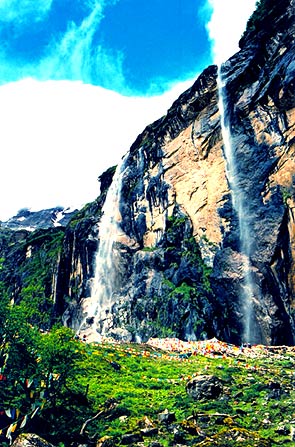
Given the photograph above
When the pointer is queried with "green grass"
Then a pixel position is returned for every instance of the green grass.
(150, 381)
(116, 387)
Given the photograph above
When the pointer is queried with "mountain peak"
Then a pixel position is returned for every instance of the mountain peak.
(29, 220)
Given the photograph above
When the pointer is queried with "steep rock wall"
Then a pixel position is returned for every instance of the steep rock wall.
(182, 267)
(260, 100)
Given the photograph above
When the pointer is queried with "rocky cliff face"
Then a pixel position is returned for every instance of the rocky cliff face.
(182, 264)
(29, 271)
(260, 105)
(165, 280)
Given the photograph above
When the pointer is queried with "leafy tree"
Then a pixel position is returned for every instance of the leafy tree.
(39, 367)
(58, 354)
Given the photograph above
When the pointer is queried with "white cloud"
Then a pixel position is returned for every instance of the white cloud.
(227, 24)
(58, 136)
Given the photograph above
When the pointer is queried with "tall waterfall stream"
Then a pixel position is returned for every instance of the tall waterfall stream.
(106, 280)
(239, 201)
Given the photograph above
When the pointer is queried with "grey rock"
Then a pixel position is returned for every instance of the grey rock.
(30, 440)
(204, 387)
(131, 438)
(153, 431)
(166, 417)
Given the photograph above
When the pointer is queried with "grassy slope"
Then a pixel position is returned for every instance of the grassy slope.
(149, 381)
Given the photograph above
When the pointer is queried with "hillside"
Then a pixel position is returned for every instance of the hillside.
(201, 394)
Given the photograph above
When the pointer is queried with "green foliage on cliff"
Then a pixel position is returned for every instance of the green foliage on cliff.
(181, 308)
(263, 17)
(261, 10)
(189, 252)
(29, 266)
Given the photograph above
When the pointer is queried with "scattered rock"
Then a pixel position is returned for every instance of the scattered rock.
(283, 430)
(166, 417)
(145, 422)
(204, 387)
(266, 421)
(105, 441)
(30, 440)
(115, 365)
(155, 444)
(148, 432)
(239, 394)
(179, 438)
(131, 438)
(276, 390)
(123, 418)
(191, 427)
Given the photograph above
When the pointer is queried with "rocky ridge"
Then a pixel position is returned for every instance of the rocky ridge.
(29, 220)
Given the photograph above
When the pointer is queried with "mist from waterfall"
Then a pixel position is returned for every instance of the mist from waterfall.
(239, 201)
(106, 281)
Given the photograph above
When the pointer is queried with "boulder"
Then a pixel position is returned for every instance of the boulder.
(166, 417)
(148, 432)
(30, 440)
(204, 387)
(131, 438)
(105, 441)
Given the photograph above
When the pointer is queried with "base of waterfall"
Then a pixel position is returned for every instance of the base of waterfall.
(174, 347)
(90, 335)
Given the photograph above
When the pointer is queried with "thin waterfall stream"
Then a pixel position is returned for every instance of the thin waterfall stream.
(239, 201)
(106, 281)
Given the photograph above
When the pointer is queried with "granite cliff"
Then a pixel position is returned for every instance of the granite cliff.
(180, 265)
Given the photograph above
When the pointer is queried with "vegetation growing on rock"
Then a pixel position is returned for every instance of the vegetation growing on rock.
(29, 267)
(260, 19)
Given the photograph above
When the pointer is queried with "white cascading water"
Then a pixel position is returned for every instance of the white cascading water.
(107, 269)
(240, 207)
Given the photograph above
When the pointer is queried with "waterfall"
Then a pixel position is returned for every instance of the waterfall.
(240, 206)
(98, 307)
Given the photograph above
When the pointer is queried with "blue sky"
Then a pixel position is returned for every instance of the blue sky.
(131, 46)
(73, 70)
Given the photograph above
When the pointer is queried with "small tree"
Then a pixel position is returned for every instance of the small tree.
(39, 370)
(59, 354)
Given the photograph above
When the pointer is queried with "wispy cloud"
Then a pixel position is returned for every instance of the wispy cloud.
(72, 47)
(227, 24)
(68, 55)
(75, 57)
(18, 10)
